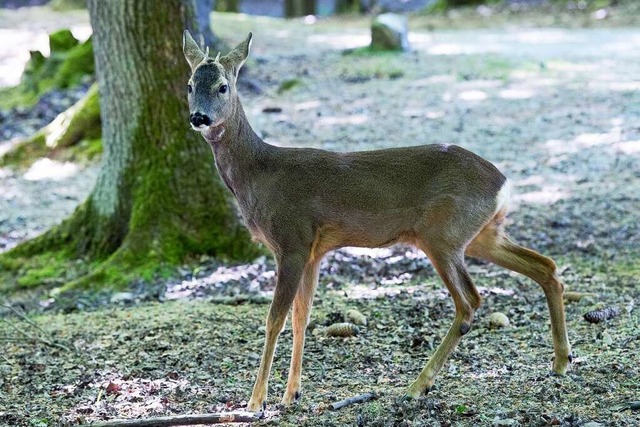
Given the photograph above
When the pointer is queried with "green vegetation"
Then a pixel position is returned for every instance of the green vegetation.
(289, 84)
(65, 5)
(78, 127)
(66, 66)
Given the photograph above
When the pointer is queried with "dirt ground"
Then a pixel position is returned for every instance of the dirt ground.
(556, 109)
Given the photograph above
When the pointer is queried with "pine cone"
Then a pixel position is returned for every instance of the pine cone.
(597, 316)
(341, 330)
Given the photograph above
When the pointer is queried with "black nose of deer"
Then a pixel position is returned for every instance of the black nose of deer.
(199, 119)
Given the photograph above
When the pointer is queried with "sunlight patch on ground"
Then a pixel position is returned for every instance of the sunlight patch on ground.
(546, 196)
(516, 93)
(557, 147)
(308, 105)
(629, 147)
(473, 95)
(367, 292)
(490, 373)
(433, 80)
(616, 86)
(50, 169)
(356, 119)
(420, 113)
(340, 41)
(545, 36)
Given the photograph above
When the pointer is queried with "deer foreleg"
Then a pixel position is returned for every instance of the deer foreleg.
(290, 270)
(299, 320)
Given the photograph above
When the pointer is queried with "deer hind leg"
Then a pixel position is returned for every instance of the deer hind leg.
(299, 320)
(290, 269)
(493, 245)
(450, 267)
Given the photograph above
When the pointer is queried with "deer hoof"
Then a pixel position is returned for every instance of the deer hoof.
(257, 407)
(290, 398)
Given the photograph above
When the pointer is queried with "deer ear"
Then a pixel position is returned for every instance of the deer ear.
(191, 50)
(234, 59)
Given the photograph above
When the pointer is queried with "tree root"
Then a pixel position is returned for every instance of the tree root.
(79, 122)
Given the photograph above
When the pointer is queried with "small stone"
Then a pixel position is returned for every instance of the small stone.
(389, 31)
(504, 422)
(357, 318)
(498, 320)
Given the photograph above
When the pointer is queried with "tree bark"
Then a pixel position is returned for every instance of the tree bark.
(294, 8)
(158, 198)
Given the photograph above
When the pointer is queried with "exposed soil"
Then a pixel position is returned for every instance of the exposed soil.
(556, 109)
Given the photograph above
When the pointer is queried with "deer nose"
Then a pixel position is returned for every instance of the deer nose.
(199, 119)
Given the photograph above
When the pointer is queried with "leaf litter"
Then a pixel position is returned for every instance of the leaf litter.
(193, 344)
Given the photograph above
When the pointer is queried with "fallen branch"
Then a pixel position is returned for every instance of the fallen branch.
(365, 397)
(184, 420)
(634, 406)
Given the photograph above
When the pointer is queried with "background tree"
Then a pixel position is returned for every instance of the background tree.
(157, 199)
(299, 8)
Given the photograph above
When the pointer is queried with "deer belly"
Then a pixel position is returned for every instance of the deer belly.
(367, 230)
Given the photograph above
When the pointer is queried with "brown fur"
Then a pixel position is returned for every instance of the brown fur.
(302, 203)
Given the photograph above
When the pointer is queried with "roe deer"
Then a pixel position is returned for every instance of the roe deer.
(303, 202)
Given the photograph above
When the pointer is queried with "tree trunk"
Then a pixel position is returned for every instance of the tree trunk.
(158, 198)
(203, 26)
(294, 8)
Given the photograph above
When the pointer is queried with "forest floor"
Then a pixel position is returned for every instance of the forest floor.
(556, 109)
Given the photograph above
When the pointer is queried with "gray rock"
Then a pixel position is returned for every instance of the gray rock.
(122, 297)
(389, 31)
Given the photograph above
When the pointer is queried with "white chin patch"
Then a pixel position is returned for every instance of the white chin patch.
(200, 128)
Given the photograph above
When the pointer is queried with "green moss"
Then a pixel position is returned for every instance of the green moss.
(24, 153)
(86, 149)
(62, 41)
(78, 63)
(80, 122)
(288, 85)
(11, 97)
(65, 5)
(51, 268)
(67, 65)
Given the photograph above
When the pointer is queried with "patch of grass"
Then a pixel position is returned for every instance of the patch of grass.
(365, 66)
(289, 84)
(486, 68)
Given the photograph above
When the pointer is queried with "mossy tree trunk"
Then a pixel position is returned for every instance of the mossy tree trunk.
(158, 198)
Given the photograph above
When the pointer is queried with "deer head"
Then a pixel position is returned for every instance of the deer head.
(212, 93)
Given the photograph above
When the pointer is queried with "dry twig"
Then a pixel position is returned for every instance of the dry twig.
(27, 336)
(184, 420)
(365, 397)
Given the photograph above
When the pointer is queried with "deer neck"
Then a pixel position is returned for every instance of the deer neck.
(236, 149)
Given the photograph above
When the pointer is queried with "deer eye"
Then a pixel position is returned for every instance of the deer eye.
(223, 89)
(189, 89)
